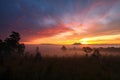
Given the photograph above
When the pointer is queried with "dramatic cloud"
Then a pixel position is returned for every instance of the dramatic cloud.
(68, 20)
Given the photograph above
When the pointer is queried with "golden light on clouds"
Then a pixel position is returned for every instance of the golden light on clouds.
(63, 21)
(106, 39)
(84, 42)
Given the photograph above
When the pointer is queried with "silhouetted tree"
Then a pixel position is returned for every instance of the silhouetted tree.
(21, 49)
(87, 50)
(38, 55)
(11, 44)
(63, 48)
(96, 53)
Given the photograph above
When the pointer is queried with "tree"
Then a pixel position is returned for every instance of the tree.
(63, 48)
(21, 49)
(12, 45)
(96, 53)
(87, 50)
(38, 55)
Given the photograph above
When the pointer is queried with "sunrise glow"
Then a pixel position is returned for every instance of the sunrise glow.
(63, 22)
(84, 42)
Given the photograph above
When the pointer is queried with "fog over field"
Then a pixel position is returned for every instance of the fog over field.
(72, 50)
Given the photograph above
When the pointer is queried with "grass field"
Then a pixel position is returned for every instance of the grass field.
(62, 68)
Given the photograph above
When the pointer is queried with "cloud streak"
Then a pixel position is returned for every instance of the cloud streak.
(71, 20)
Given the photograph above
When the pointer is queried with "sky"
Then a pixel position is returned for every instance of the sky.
(61, 21)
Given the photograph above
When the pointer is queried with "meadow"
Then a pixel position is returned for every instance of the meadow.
(60, 68)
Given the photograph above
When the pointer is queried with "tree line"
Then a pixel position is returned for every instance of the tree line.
(11, 45)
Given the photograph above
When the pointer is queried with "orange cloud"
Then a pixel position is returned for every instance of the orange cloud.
(94, 25)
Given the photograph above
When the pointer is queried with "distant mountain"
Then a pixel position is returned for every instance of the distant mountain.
(76, 44)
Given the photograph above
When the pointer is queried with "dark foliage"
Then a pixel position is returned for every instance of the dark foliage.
(11, 45)
(63, 48)
(38, 55)
(70, 68)
(96, 53)
(87, 50)
(21, 49)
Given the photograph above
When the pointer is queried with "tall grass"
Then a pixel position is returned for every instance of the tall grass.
(60, 68)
